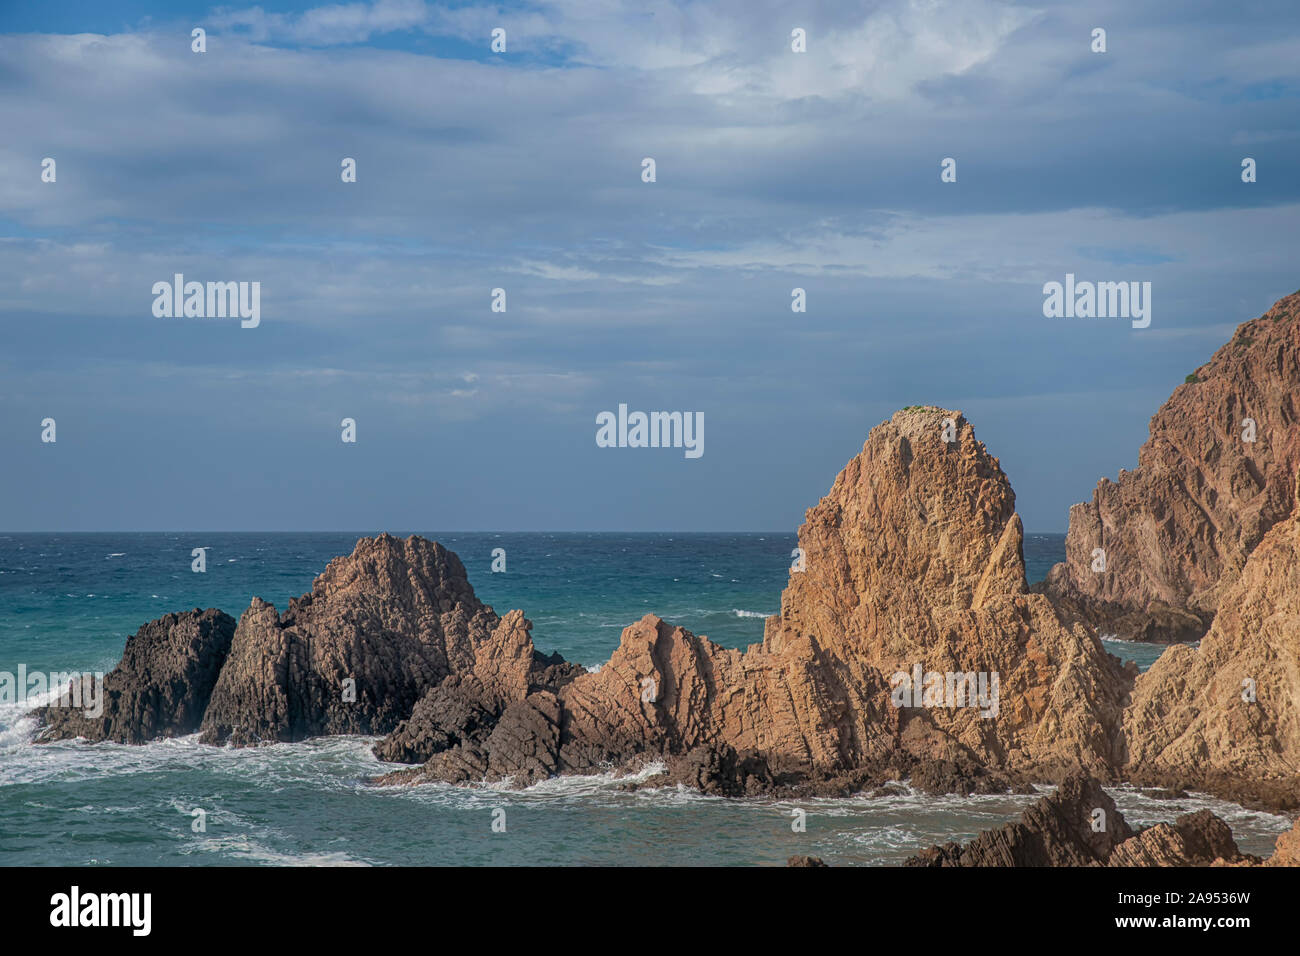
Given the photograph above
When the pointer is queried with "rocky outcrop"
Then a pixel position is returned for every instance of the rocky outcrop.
(160, 688)
(379, 628)
(464, 709)
(1194, 839)
(1225, 717)
(1287, 850)
(912, 561)
(1177, 530)
(915, 559)
(1079, 825)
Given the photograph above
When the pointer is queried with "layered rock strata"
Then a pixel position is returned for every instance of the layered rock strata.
(1225, 717)
(1212, 479)
(1079, 825)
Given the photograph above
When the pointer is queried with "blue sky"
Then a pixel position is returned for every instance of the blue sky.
(775, 170)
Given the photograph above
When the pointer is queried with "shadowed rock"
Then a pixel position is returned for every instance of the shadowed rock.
(1194, 839)
(1058, 830)
(160, 688)
(1079, 825)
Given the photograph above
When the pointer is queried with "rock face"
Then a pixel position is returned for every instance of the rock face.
(395, 618)
(1178, 529)
(1287, 850)
(1226, 717)
(913, 560)
(464, 709)
(160, 688)
(1079, 825)
(1056, 831)
(1194, 839)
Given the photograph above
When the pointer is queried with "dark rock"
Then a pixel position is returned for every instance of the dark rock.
(395, 617)
(718, 770)
(160, 688)
(1056, 831)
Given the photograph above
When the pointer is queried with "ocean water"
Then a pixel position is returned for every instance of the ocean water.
(69, 601)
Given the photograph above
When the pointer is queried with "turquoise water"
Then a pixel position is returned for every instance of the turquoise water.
(68, 602)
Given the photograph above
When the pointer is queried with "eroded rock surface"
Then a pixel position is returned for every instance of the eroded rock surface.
(1178, 529)
(1287, 850)
(1079, 825)
(1063, 829)
(159, 689)
(914, 559)
(1225, 717)
(395, 617)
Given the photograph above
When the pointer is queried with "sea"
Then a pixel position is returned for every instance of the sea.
(68, 602)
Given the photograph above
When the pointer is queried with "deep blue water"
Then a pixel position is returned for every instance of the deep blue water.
(69, 601)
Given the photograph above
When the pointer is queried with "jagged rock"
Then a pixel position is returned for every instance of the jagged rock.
(1062, 830)
(1056, 831)
(160, 688)
(914, 558)
(1194, 839)
(465, 707)
(396, 617)
(1287, 850)
(962, 776)
(1177, 530)
(721, 771)
(805, 861)
(1191, 718)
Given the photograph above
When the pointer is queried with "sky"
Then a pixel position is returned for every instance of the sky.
(523, 170)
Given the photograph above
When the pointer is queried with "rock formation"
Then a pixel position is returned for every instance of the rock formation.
(1287, 850)
(160, 688)
(1226, 717)
(1079, 825)
(1058, 830)
(379, 628)
(913, 560)
(1177, 530)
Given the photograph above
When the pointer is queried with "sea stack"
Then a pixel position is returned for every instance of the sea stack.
(378, 629)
